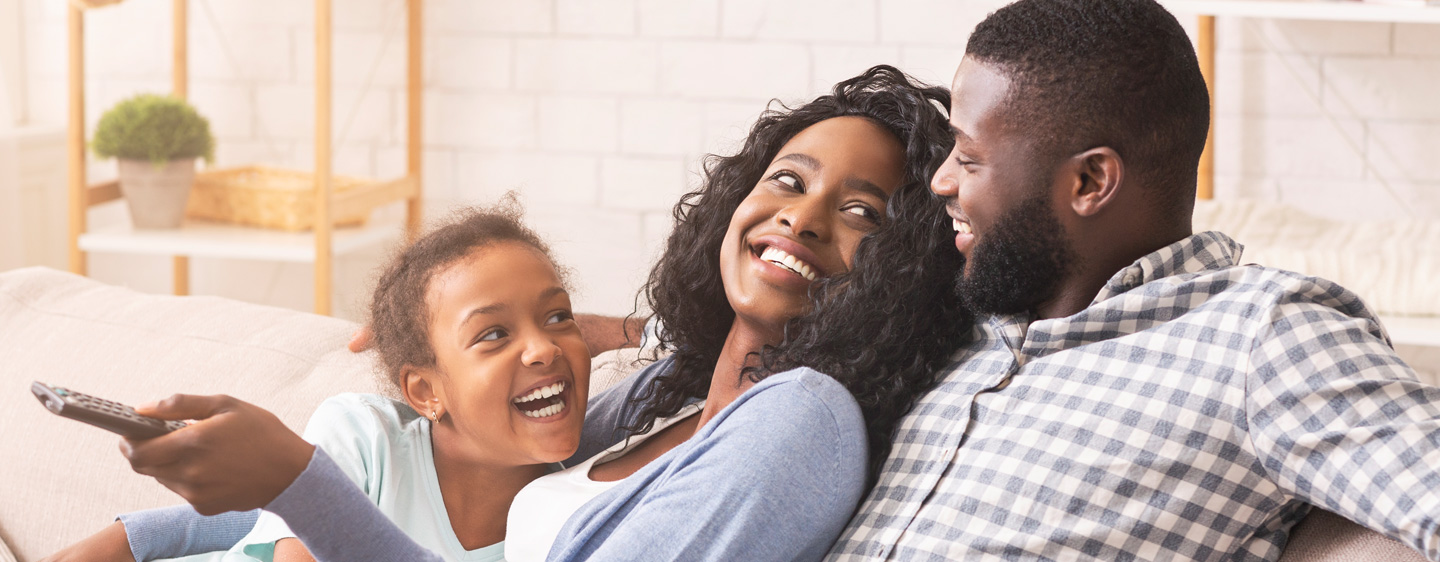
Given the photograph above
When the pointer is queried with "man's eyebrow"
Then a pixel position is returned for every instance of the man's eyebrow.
(804, 159)
(960, 135)
(866, 186)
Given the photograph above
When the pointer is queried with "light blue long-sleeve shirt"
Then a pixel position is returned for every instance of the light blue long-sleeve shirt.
(774, 476)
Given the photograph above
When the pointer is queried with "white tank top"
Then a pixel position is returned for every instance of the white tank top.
(543, 506)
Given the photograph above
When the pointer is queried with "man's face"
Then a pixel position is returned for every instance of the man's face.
(999, 193)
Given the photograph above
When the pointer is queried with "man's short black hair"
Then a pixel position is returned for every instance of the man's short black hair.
(1116, 73)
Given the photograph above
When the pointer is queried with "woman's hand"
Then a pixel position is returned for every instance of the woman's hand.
(361, 340)
(236, 457)
(108, 545)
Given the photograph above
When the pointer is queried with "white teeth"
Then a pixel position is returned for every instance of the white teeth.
(542, 392)
(961, 227)
(546, 411)
(784, 259)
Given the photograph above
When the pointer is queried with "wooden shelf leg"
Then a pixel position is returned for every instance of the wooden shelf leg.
(182, 276)
(414, 139)
(75, 140)
(1205, 51)
(324, 270)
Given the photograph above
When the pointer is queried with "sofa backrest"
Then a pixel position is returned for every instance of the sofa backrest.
(63, 480)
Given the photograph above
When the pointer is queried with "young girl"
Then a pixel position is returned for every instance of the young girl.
(473, 326)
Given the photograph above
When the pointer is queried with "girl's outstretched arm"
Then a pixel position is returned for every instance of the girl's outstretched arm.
(108, 545)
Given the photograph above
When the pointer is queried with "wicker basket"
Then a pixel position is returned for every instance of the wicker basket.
(265, 197)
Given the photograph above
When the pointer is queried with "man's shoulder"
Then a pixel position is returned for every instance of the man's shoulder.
(1272, 287)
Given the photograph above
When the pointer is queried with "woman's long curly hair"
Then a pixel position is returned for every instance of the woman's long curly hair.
(882, 329)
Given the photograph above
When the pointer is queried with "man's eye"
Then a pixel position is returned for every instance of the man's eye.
(788, 179)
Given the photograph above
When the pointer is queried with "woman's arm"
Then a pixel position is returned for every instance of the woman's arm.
(774, 476)
(239, 456)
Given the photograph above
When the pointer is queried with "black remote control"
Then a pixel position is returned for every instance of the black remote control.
(101, 413)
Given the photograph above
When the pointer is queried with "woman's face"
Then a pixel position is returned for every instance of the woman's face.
(825, 190)
(512, 370)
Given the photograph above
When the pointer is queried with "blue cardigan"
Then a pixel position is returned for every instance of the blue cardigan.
(773, 476)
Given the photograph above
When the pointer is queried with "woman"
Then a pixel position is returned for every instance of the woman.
(828, 201)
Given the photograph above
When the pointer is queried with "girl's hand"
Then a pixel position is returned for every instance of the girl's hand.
(236, 457)
(108, 545)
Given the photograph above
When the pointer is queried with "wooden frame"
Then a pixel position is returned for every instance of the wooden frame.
(407, 188)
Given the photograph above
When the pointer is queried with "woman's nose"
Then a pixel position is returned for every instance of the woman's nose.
(806, 217)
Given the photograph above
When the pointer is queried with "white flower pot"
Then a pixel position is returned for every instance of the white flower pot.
(156, 195)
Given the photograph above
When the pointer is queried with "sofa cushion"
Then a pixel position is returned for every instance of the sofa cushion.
(1326, 537)
(65, 480)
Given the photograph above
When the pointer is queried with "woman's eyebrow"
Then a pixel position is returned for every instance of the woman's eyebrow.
(866, 186)
(804, 159)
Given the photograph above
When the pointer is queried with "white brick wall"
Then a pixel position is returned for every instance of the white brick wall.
(599, 110)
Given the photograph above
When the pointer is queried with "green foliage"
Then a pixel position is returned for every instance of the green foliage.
(155, 128)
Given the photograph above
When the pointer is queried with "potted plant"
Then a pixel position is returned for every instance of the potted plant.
(156, 140)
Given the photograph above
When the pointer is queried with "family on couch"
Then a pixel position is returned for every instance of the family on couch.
(1091, 381)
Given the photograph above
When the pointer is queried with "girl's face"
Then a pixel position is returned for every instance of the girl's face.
(512, 372)
(825, 190)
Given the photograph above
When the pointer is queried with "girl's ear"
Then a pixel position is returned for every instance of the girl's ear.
(423, 391)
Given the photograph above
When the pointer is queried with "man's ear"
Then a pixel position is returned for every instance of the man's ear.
(1098, 175)
(422, 390)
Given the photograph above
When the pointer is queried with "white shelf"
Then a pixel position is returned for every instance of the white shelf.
(212, 240)
(1335, 10)
(1413, 330)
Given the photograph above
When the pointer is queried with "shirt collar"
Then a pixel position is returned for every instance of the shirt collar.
(1205, 251)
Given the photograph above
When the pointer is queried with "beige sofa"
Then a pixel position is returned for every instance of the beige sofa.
(63, 480)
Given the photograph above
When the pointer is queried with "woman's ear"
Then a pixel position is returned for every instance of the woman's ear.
(1099, 175)
(423, 391)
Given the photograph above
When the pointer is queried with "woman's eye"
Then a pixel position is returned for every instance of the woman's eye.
(558, 317)
(864, 212)
(788, 179)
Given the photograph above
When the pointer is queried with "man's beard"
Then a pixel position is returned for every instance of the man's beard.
(1019, 263)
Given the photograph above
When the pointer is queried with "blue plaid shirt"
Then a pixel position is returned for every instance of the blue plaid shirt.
(1196, 410)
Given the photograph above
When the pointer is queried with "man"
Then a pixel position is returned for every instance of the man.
(1131, 391)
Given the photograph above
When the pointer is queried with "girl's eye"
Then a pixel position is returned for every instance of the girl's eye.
(864, 212)
(559, 317)
(788, 179)
(493, 335)
(964, 163)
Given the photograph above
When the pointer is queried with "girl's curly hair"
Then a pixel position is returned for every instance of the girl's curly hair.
(882, 329)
